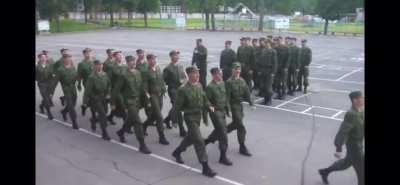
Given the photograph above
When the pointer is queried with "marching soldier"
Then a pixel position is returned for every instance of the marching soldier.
(216, 94)
(154, 87)
(67, 76)
(245, 57)
(200, 59)
(268, 63)
(130, 85)
(44, 77)
(283, 55)
(228, 57)
(174, 77)
(108, 63)
(236, 92)
(305, 60)
(116, 96)
(57, 65)
(50, 62)
(84, 71)
(192, 101)
(351, 133)
(97, 90)
(293, 66)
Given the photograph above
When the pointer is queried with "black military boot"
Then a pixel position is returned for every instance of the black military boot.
(49, 115)
(305, 90)
(267, 100)
(64, 114)
(243, 150)
(104, 133)
(74, 125)
(167, 122)
(207, 171)
(224, 160)
(144, 126)
(121, 135)
(177, 154)
(162, 140)
(62, 100)
(207, 141)
(41, 107)
(93, 124)
(143, 148)
(324, 175)
(182, 132)
(299, 88)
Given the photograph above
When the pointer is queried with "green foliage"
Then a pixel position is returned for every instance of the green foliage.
(335, 9)
(145, 6)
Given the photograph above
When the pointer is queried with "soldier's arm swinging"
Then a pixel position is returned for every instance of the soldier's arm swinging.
(345, 128)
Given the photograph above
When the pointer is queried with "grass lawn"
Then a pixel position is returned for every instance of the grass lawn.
(72, 25)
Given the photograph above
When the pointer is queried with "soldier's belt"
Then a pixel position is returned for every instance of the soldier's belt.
(192, 112)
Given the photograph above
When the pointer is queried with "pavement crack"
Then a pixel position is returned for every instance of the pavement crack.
(78, 167)
(116, 167)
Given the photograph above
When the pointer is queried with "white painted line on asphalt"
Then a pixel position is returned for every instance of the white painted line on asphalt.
(136, 149)
(284, 103)
(287, 110)
(348, 74)
(315, 106)
(337, 114)
(309, 108)
(342, 81)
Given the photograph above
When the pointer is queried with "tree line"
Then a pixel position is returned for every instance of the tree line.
(327, 9)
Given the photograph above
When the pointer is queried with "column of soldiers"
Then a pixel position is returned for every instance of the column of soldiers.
(273, 65)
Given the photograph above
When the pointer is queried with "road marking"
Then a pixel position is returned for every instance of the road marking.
(136, 149)
(287, 110)
(309, 108)
(337, 114)
(284, 103)
(314, 106)
(342, 81)
(348, 74)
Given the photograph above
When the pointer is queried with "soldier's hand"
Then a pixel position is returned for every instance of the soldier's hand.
(286, 69)
(250, 71)
(211, 108)
(297, 70)
(108, 96)
(338, 155)
(112, 107)
(148, 95)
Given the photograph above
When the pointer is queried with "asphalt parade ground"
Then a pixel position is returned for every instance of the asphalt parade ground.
(277, 135)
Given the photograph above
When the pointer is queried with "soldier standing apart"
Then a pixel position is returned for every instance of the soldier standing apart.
(154, 87)
(57, 65)
(131, 87)
(117, 71)
(174, 77)
(282, 52)
(200, 59)
(351, 133)
(236, 92)
(228, 57)
(44, 77)
(294, 65)
(268, 63)
(84, 71)
(192, 100)
(216, 94)
(97, 90)
(67, 75)
(305, 61)
(245, 57)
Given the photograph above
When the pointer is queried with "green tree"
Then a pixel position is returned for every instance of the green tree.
(111, 7)
(130, 6)
(335, 9)
(53, 9)
(146, 6)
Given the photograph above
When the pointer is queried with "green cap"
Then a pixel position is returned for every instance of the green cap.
(191, 69)
(355, 94)
(129, 58)
(236, 65)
